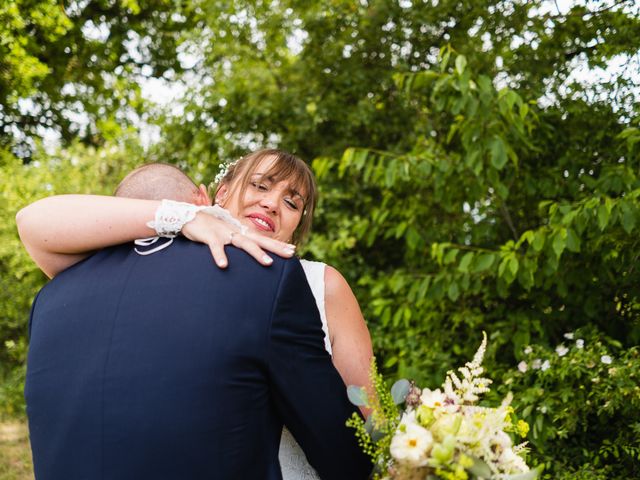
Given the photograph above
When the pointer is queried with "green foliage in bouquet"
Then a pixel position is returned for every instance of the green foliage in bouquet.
(441, 434)
(374, 435)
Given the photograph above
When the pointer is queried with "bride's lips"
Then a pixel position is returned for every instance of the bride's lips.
(262, 222)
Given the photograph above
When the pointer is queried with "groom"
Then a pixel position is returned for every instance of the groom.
(167, 367)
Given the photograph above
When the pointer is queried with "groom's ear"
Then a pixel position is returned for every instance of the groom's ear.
(202, 197)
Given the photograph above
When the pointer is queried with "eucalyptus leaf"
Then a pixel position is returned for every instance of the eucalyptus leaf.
(357, 395)
(480, 468)
(368, 424)
(371, 430)
(400, 390)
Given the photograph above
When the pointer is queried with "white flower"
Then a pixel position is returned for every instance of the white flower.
(606, 359)
(528, 350)
(432, 398)
(545, 365)
(502, 440)
(446, 425)
(470, 384)
(522, 366)
(561, 350)
(512, 462)
(536, 364)
(568, 336)
(579, 343)
(411, 443)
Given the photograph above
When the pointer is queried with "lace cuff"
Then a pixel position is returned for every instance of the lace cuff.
(172, 216)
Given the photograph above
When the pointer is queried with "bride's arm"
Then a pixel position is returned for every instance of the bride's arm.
(350, 340)
(59, 231)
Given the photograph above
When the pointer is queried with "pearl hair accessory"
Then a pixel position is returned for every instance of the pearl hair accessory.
(222, 172)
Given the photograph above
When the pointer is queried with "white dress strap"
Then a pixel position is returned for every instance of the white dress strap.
(315, 276)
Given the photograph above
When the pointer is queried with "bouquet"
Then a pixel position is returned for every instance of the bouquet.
(442, 433)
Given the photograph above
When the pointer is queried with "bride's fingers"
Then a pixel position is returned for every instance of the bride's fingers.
(276, 246)
(217, 251)
(249, 246)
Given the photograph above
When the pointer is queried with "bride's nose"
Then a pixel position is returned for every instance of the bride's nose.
(269, 201)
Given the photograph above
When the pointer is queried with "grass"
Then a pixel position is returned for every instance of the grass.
(15, 452)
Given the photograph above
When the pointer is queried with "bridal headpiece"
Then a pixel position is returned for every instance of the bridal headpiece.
(224, 170)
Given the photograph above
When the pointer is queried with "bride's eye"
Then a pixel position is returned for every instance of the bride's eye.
(260, 186)
(291, 203)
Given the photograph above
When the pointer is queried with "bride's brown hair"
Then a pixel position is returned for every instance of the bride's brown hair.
(286, 166)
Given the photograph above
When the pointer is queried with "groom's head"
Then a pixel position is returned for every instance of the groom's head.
(157, 181)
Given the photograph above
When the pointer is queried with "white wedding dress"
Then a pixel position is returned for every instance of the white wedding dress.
(293, 461)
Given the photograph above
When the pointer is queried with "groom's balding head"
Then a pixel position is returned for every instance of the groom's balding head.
(157, 181)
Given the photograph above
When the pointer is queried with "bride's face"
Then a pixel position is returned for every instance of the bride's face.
(268, 207)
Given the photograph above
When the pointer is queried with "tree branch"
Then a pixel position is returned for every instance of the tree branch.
(507, 217)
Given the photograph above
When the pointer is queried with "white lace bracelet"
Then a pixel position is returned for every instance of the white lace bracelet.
(171, 216)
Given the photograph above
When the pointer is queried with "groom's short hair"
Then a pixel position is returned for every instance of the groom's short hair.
(157, 181)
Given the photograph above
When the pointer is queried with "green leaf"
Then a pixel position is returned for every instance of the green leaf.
(461, 63)
(503, 266)
(538, 240)
(603, 216)
(498, 153)
(424, 286)
(450, 257)
(513, 265)
(483, 262)
(454, 291)
(346, 161)
(399, 391)
(573, 241)
(480, 468)
(558, 244)
(357, 395)
(413, 238)
(465, 262)
(628, 218)
(369, 427)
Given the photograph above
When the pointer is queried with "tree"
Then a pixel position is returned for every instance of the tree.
(73, 67)
(481, 187)
(468, 182)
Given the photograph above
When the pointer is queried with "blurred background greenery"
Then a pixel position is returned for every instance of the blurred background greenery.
(478, 164)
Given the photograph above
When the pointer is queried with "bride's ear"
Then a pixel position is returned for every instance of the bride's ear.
(202, 197)
(221, 194)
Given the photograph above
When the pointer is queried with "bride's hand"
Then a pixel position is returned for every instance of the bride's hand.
(217, 233)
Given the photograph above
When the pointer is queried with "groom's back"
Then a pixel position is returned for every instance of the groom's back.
(154, 367)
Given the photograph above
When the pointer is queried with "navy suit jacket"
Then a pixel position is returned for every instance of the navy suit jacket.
(167, 367)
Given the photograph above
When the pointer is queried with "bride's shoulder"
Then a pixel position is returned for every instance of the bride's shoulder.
(336, 287)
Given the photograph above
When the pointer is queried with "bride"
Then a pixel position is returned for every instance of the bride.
(270, 197)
